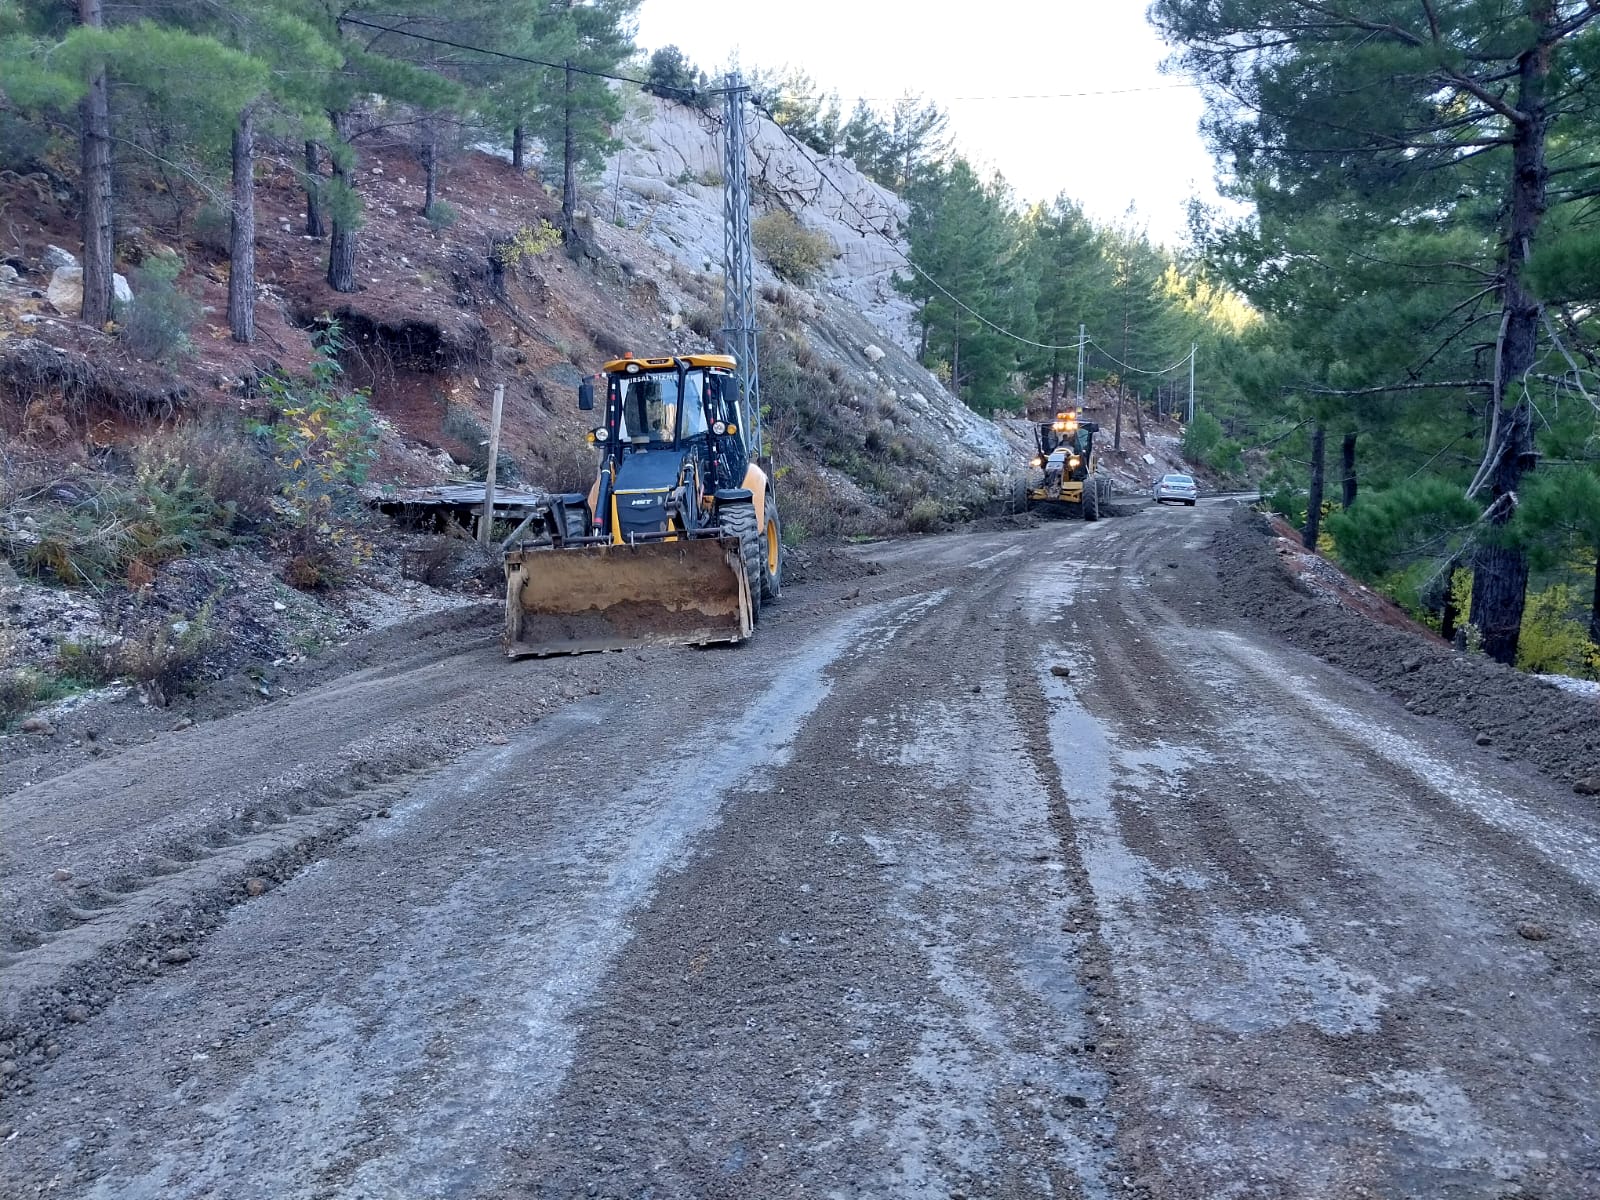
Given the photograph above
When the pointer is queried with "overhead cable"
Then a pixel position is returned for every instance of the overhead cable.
(689, 93)
(1139, 370)
(805, 152)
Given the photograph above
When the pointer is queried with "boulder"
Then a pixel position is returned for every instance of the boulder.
(65, 292)
(8, 273)
(54, 258)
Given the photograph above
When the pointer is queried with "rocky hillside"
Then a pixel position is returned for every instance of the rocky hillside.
(665, 186)
(140, 468)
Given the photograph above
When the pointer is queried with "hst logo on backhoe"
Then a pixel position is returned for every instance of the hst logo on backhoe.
(643, 502)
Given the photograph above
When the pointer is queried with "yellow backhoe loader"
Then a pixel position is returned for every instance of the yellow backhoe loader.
(1070, 483)
(678, 542)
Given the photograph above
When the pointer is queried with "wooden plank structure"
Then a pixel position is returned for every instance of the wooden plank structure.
(458, 504)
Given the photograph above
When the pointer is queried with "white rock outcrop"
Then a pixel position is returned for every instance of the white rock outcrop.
(665, 183)
(65, 290)
(669, 175)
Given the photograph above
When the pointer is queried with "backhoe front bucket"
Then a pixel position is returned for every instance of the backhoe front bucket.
(572, 601)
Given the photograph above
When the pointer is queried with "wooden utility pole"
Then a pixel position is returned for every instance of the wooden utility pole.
(486, 521)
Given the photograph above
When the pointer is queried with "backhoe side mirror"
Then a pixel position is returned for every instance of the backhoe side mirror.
(586, 396)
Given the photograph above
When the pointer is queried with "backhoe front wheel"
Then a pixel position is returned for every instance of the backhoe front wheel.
(1091, 501)
(739, 520)
(771, 555)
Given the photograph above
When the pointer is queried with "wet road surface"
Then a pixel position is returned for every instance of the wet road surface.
(1007, 872)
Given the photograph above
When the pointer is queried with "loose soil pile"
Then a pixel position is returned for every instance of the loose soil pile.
(822, 562)
(1524, 716)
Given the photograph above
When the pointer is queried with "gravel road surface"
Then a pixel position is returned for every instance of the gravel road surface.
(1017, 869)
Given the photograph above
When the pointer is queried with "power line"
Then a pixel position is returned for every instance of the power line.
(1140, 370)
(690, 93)
(805, 152)
(1166, 87)
(798, 145)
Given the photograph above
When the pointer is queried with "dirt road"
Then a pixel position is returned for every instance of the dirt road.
(1013, 870)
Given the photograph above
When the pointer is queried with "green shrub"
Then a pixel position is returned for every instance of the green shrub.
(155, 326)
(441, 215)
(1420, 517)
(325, 433)
(794, 252)
(1201, 437)
(90, 664)
(924, 516)
(1553, 641)
(528, 242)
(20, 689)
(213, 228)
(164, 658)
(222, 461)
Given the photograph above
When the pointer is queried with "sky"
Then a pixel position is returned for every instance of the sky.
(1106, 151)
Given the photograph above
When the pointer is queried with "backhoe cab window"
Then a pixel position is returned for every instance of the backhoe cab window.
(649, 407)
(694, 406)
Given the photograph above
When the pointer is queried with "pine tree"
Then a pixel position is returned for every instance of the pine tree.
(1064, 257)
(575, 115)
(966, 242)
(1369, 126)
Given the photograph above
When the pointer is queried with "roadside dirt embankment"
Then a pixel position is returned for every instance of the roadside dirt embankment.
(1522, 716)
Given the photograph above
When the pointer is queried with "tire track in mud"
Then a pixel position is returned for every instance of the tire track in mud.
(165, 838)
(878, 998)
(401, 1035)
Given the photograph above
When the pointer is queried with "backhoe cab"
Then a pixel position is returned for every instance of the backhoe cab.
(1070, 483)
(678, 540)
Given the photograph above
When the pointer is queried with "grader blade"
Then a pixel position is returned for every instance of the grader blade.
(573, 601)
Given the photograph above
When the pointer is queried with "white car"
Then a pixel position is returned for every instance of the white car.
(1178, 489)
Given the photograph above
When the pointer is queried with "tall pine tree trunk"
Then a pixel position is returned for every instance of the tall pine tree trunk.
(1500, 572)
(1594, 604)
(1116, 439)
(569, 163)
(99, 241)
(519, 149)
(430, 169)
(1138, 417)
(242, 232)
(314, 225)
(1314, 500)
(342, 244)
(1347, 462)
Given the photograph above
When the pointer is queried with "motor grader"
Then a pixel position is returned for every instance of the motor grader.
(1070, 483)
(678, 541)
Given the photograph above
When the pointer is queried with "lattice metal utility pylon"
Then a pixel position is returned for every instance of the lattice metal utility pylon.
(738, 289)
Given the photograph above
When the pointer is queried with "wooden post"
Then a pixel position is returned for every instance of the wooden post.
(486, 521)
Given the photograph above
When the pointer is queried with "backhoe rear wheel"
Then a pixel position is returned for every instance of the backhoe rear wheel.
(1091, 500)
(577, 522)
(739, 520)
(771, 555)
